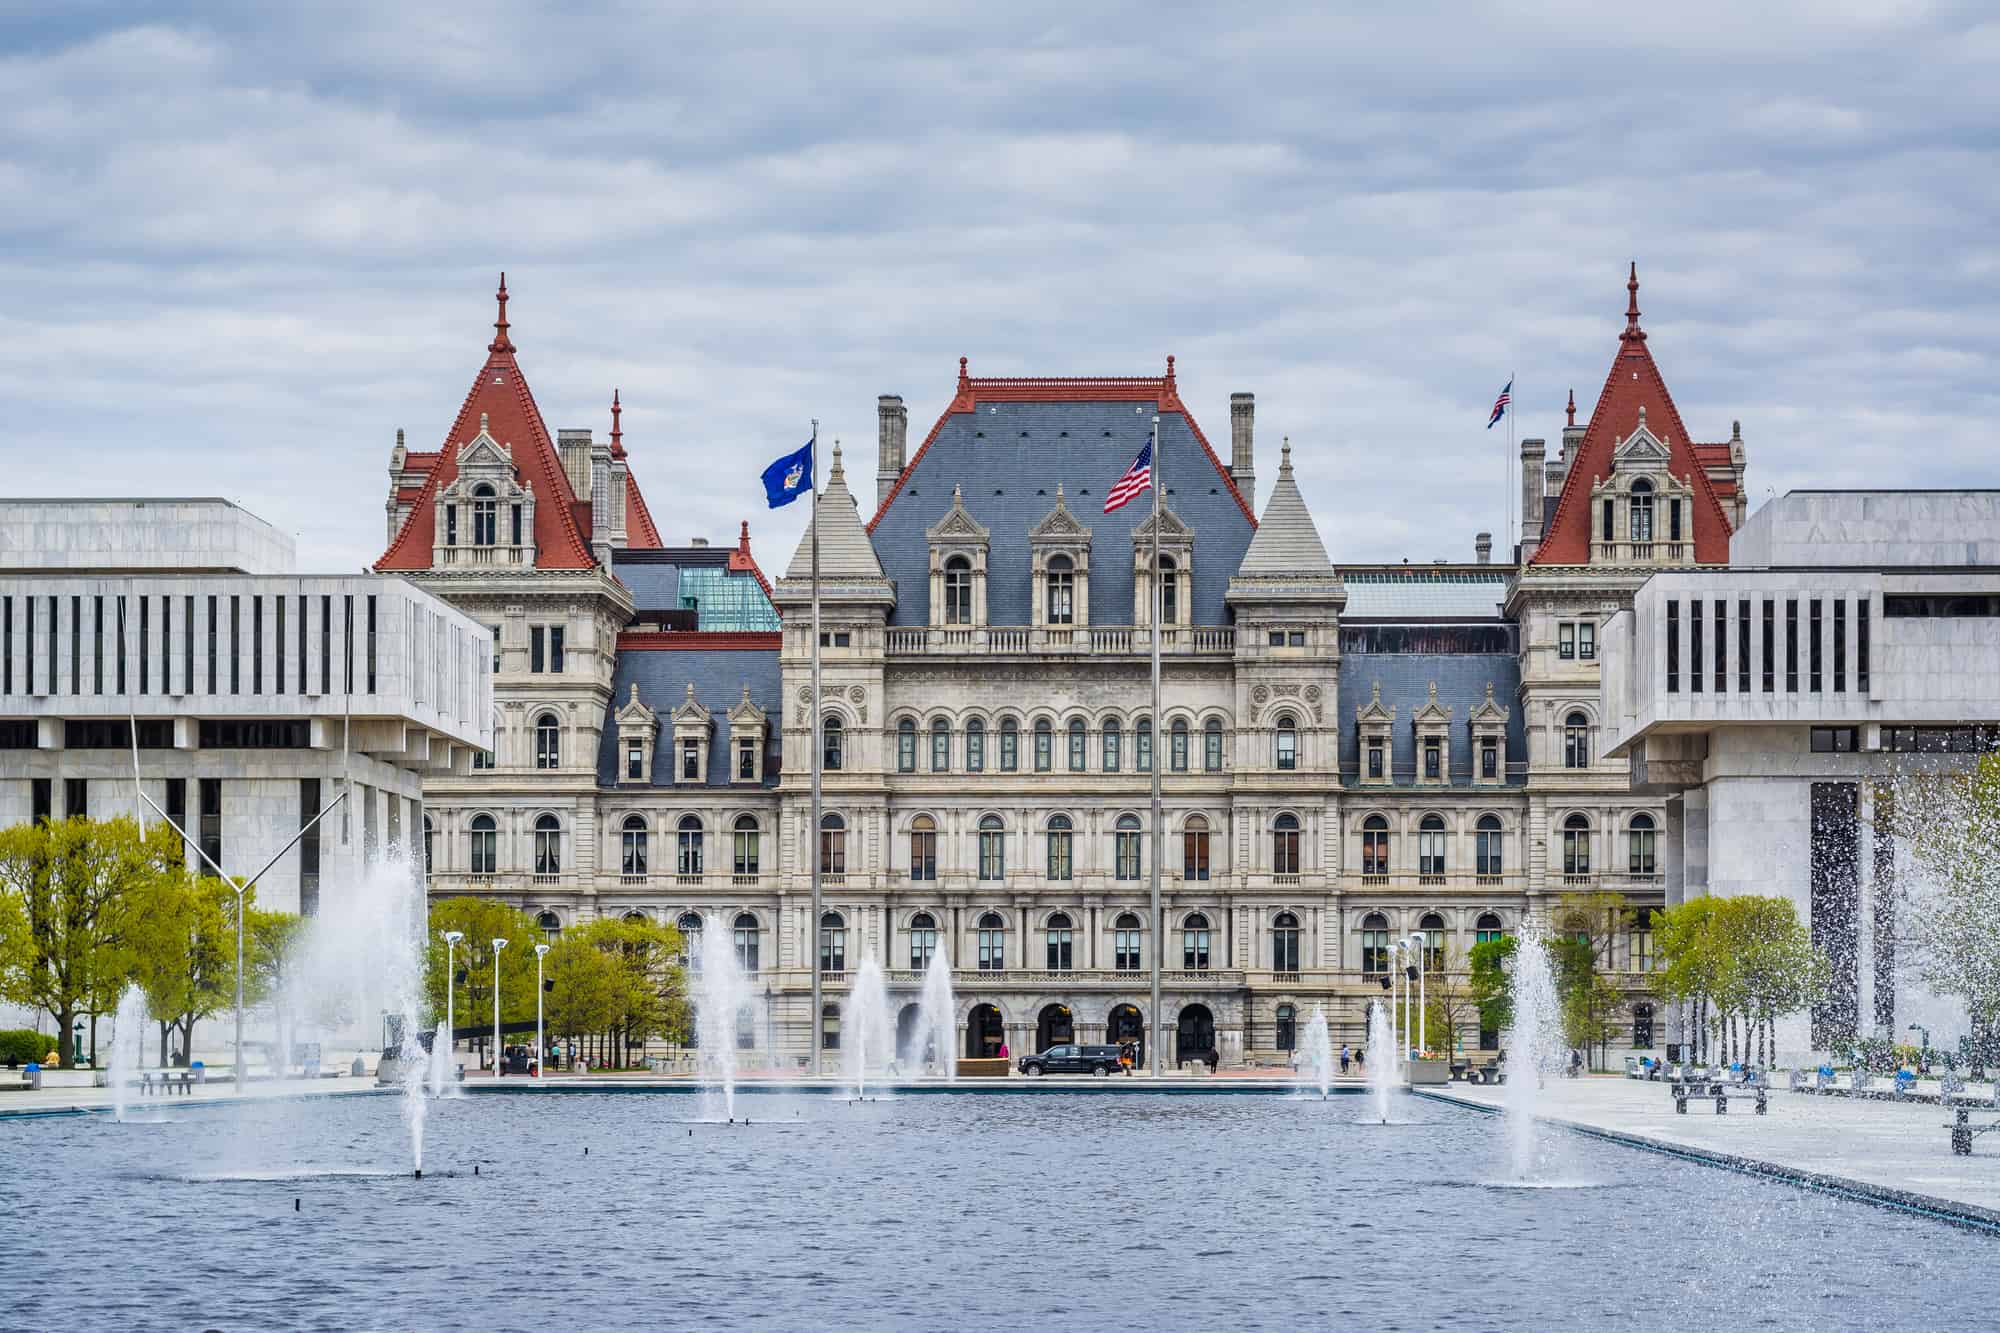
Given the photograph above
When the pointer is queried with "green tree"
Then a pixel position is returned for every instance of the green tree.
(482, 920)
(1451, 1013)
(1583, 957)
(272, 947)
(584, 985)
(183, 949)
(1486, 981)
(70, 886)
(1691, 960)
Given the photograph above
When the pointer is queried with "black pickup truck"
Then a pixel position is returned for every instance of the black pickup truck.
(1071, 1060)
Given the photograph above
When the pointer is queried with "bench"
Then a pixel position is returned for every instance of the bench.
(1719, 1092)
(1963, 1131)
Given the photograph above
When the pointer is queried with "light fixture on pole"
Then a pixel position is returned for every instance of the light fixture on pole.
(451, 939)
(1419, 945)
(238, 1062)
(541, 951)
(498, 945)
(1396, 981)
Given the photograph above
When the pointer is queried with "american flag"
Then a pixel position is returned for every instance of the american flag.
(1138, 479)
(1500, 404)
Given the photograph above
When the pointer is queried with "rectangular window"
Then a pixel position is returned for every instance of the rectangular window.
(55, 634)
(1840, 645)
(635, 760)
(1812, 655)
(1673, 647)
(1296, 638)
(1791, 645)
(97, 645)
(746, 761)
(256, 645)
(1770, 646)
(145, 646)
(209, 835)
(7, 646)
(109, 734)
(278, 647)
(1694, 645)
(691, 761)
(1489, 760)
(537, 662)
(166, 645)
(1835, 740)
(1277, 638)
(1010, 748)
(347, 643)
(371, 643)
(118, 631)
(555, 650)
(1610, 520)
(1079, 746)
(1044, 749)
(42, 800)
(1861, 645)
(1673, 520)
(177, 809)
(76, 798)
(302, 644)
(308, 845)
(28, 629)
(1566, 640)
(1743, 646)
(1374, 761)
(1720, 609)
(1433, 759)
(1586, 641)
(940, 750)
(187, 645)
(76, 645)
(1142, 748)
(235, 645)
(282, 734)
(326, 645)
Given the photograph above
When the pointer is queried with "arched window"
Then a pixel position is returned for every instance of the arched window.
(1060, 935)
(1079, 746)
(746, 942)
(923, 848)
(832, 942)
(746, 1028)
(906, 746)
(632, 846)
(923, 940)
(975, 746)
(1642, 1027)
(548, 741)
(1010, 745)
(1194, 943)
(1177, 746)
(1170, 592)
(548, 845)
(829, 1027)
(485, 845)
(832, 844)
(992, 848)
(1125, 940)
(1576, 741)
(1642, 837)
(1374, 944)
(1114, 745)
(830, 747)
(744, 853)
(689, 925)
(429, 835)
(1211, 746)
(1061, 844)
(1642, 511)
(1487, 928)
(1285, 845)
(1288, 741)
(940, 745)
(485, 523)
(1194, 848)
(1128, 863)
(1375, 846)
(1142, 745)
(1576, 845)
(1288, 1028)
(1432, 929)
(1489, 846)
(958, 591)
(992, 943)
(1044, 745)
(687, 837)
(549, 924)
(1430, 846)
(1642, 939)
(1285, 943)
(635, 917)
(1062, 591)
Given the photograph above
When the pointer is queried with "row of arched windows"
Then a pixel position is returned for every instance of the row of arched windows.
(931, 748)
(1059, 594)
(635, 843)
(1375, 939)
(1489, 843)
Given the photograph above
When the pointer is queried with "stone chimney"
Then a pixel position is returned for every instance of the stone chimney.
(1242, 444)
(607, 521)
(574, 448)
(892, 437)
(1532, 454)
(1482, 547)
(697, 541)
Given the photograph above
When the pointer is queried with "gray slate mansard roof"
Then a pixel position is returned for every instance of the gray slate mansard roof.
(1406, 678)
(719, 676)
(1009, 457)
(1418, 592)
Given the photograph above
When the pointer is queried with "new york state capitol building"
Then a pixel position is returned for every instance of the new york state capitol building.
(1349, 753)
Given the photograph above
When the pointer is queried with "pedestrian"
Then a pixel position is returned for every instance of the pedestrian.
(1360, 1062)
(1003, 1050)
(1345, 1056)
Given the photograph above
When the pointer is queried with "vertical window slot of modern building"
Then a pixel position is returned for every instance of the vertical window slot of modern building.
(1813, 677)
(308, 847)
(166, 645)
(1694, 645)
(278, 646)
(235, 645)
(97, 645)
(1720, 609)
(146, 643)
(214, 631)
(256, 645)
(187, 644)
(55, 643)
(371, 643)
(1770, 658)
(210, 833)
(1673, 646)
(41, 800)
(7, 645)
(347, 643)
(177, 809)
(1861, 645)
(28, 633)
(1743, 646)
(1840, 645)
(76, 798)
(76, 644)
(1791, 645)
(304, 620)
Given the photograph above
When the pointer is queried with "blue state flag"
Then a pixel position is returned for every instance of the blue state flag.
(790, 477)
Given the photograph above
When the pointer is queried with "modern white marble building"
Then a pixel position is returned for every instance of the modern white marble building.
(255, 693)
(1773, 702)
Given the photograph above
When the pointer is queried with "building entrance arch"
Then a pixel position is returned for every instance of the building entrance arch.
(985, 1032)
(1194, 1037)
(1127, 1025)
(908, 1055)
(1055, 1027)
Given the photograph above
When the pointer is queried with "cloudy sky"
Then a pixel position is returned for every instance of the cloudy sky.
(243, 244)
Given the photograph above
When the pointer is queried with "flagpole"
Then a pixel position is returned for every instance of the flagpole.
(1512, 531)
(1159, 736)
(813, 725)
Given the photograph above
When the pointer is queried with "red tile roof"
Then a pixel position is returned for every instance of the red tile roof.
(1161, 392)
(741, 561)
(639, 530)
(1633, 383)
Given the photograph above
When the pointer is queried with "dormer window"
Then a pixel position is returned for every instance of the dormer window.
(958, 591)
(692, 731)
(958, 548)
(485, 516)
(1170, 591)
(1059, 570)
(1061, 591)
(1642, 511)
(638, 730)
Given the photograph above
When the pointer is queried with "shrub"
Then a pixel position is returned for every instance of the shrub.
(23, 1045)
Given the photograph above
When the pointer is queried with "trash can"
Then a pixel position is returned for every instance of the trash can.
(200, 1072)
(34, 1076)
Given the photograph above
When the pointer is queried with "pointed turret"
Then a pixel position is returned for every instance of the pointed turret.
(1287, 541)
(844, 549)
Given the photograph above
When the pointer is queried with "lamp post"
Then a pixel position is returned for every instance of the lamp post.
(239, 982)
(1419, 945)
(498, 945)
(1398, 1020)
(541, 951)
(451, 939)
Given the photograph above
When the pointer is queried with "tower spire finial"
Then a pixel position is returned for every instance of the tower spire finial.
(743, 538)
(964, 380)
(617, 434)
(1571, 409)
(501, 342)
(1632, 329)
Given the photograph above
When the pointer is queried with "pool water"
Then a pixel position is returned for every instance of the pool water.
(936, 1211)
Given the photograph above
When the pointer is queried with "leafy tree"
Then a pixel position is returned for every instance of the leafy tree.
(1747, 958)
(649, 996)
(1582, 954)
(482, 920)
(1451, 1013)
(70, 885)
(273, 945)
(1692, 963)
(183, 950)
(1486, 981)
(584, 987)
